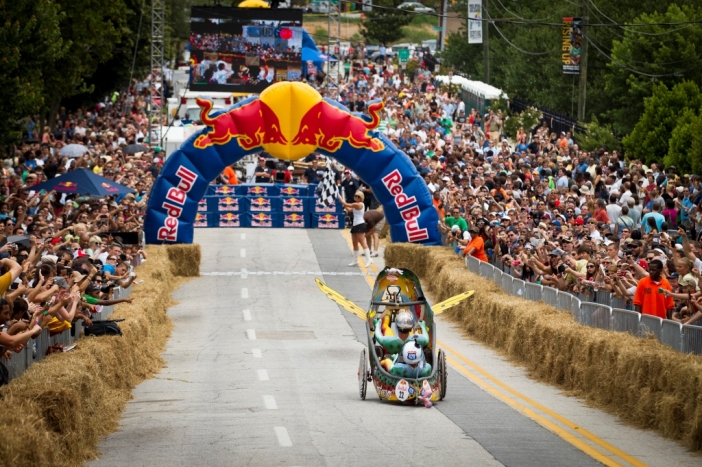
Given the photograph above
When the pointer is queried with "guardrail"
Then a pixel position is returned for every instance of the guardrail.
(599, 309)
(36, 349)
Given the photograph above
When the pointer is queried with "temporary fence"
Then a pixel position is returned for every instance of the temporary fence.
(599, 309)
(36, 349)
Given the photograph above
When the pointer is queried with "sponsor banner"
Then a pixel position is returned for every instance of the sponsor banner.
(203, 219)
(202, 205)
(263, 219)
(293, 191)
(294, 204)
(327, 221)
(227, 203)
(264, 204)
(294, 220)
(571, 41)
(475, 23)
(320, 207)
(259, 189)
(221, 190)
(230, 219)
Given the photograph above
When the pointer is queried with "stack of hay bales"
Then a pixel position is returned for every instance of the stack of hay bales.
(55, 413)
(641, 380)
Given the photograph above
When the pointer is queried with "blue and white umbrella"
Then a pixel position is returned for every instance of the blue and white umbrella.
(73, 150)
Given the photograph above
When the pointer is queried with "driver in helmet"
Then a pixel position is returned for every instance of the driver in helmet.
(392, 335)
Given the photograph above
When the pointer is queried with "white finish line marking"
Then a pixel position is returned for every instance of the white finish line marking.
(244, 293)
(256, 353)
(283, 436)
(269, 402)
(263, 375)
(243, 252)
(251, 334)
(247, 315)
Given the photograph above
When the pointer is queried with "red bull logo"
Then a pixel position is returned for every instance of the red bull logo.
(252, 124)
(228, 204)
(293, 205)
(260, 204)
(66, 186)
(202, 205)
(224, 190)
(257, 190)
(289, 191)
(328, 221)
(173, 205)
(261, 220)
(294, 220)
(200, 220)
(327, 127)
(321, 206)
(229, 220)
(109, 187)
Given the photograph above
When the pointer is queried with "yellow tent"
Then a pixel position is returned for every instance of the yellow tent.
(254, 4)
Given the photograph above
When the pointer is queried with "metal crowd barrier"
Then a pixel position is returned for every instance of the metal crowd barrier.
(564, 300)
(596, 315)
(486, 270)
(36, 349)
(626, 321)
(575, 307)
(651, 325)
(671, 334)
(533, 291)
(550, 296)
(507, 283)
(518, 287)
(473, 264)
(497, 276)
(692, 339)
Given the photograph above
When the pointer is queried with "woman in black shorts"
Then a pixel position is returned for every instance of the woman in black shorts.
(358, 230)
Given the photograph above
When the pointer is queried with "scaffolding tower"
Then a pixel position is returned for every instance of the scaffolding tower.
(156, 77)
(334, 39)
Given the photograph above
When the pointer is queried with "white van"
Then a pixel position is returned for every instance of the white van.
(186, 103)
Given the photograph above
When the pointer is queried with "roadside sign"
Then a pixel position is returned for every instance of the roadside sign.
(403, 54)
(436, 28)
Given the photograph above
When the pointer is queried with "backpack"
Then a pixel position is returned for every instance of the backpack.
(103, 328)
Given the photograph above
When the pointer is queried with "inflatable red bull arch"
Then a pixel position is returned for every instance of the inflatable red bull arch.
(290, 120)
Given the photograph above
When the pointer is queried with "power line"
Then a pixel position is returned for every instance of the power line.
(518, 48)
(614, 23)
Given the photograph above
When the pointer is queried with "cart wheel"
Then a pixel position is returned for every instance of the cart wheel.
(442, 374)
(363, 375)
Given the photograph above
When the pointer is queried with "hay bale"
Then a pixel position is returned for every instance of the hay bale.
(185, 259)
(644, 382)
(56, 412)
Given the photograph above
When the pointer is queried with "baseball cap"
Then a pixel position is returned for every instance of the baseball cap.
(61, 282)
(579, 222)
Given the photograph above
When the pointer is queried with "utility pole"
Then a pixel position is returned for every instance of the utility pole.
(486, 44)
(443, 23)
(582, 89)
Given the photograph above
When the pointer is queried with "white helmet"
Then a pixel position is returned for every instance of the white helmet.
(404, 321)
(412, 353)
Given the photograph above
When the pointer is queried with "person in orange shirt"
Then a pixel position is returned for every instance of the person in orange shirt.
(230, 176)
(439, 204)
(476, 246)
(647, 298)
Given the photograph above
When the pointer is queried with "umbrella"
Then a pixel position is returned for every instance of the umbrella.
(73, 150)
(83, 182)
(134, 148)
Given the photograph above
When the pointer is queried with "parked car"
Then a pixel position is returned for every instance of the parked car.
(416, 6)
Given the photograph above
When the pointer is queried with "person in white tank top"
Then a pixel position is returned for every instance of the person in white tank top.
(358, 231)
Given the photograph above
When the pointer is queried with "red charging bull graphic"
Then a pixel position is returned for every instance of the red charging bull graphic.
(228, 204)
(67, 186)
(312, 123)
(260, 205)
(327, 127)
(293, 205)
(229, 220)
(224, 190)
(261, 220)
(253, 124)
(200, 220)
(329, 221)
(294, 220)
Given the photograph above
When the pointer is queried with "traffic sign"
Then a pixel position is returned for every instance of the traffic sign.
(403, 54)
(436, 28)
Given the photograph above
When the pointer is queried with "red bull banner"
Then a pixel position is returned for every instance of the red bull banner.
(203, 219)
(321, 207)
(202, 205)
(262, 219)
(289, 120)
(295, 221)
(292, 204)
(295, 191)
(231, 219)
(227, 203)
(328, 221)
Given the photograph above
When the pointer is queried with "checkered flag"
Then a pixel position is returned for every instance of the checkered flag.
(327, 189)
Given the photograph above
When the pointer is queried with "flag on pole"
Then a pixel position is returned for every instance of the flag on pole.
(327, 189)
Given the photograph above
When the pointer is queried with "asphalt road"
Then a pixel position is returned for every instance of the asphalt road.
(261, 371)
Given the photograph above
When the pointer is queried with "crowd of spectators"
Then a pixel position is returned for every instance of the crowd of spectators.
(67, 253)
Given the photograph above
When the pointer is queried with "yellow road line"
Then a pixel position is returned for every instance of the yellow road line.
(349, 242)
(573, 426)
(565, 435)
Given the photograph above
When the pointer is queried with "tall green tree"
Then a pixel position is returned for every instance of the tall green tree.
(649, 55)
(29, 39)
(384, 25)
(650, 140)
